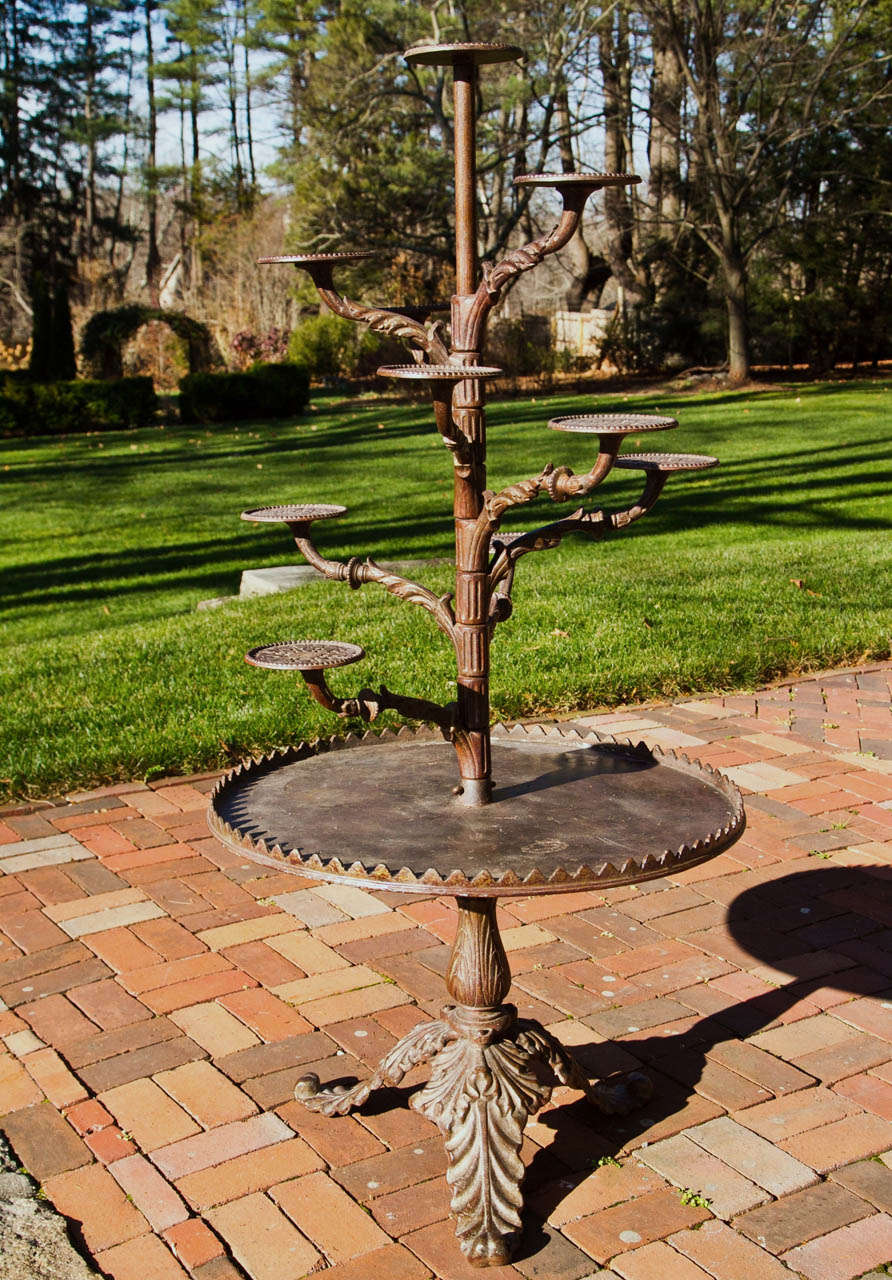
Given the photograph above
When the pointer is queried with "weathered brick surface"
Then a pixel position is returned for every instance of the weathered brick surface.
(136, 1259)
(686, 1164)
(254, 1171)
(17, 1089)
(616, 1230)
(144, 1110)
(51, 1075)
(93, 1200)
(111, 1044)
(339, 1140)
(263, 1240)
(753, 1156)
(795, 1113)
(334, 1222)
(147, 967)
(205, 1093)
(44, 1142)
(846, 1252)
(365, 1180)
(727, 1255)
(125, 1067)
(217, 1145)
(109, 1145)
(152, 1194)
(214, 1028)
(785, 1223)
(193, 1242)
(839, 1143)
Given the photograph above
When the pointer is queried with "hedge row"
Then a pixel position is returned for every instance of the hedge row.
(54, 408)
(263, 391)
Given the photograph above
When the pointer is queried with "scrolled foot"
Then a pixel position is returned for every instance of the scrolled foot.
(307, 1087)
(619, 1097)
(611, 1097)
(421, 1044)
(489, 1250)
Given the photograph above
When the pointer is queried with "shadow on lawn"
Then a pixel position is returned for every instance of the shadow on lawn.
(212, 564)
(841, 907)
(811, 488)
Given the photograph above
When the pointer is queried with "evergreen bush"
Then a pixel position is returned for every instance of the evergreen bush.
(263, 391)
(326, 345)
(54, 408)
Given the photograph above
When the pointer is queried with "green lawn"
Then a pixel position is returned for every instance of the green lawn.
(109, 541)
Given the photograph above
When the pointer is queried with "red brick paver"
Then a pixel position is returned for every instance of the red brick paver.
(161, 996)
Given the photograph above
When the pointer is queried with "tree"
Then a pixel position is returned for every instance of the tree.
(193, 28)
(370, 154)
(153, 253)
(760, 78)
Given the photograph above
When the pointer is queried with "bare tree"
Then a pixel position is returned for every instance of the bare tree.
(756, 76)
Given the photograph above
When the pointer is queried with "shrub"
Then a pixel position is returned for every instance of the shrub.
(105, 333)
(245, 347)
(522, 346)
(272, 346)
(216, 397)
(326, 345)
(36, 408)
(263, 391)
(281, 390)
(332, 348)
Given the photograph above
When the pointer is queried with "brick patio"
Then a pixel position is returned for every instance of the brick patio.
(161, 995)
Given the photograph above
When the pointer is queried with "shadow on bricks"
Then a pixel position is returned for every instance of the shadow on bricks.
(813, 931)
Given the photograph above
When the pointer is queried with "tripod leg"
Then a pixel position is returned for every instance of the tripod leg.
(420, 1045)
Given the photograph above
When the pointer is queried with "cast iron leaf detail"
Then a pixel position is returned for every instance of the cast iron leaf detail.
(480, 1097)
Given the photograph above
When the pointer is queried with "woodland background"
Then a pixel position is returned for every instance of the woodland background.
(152, 149)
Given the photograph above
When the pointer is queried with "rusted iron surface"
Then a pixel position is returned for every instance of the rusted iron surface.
(301, 513)
(476, 53)
(569, 811)
(621, 424)
(304, 655)
(533, 811)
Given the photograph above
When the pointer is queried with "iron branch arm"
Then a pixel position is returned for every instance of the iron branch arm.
(561, 484)
(653, 487)
(593, 524)
(426, 338)
(496, 277)
(369, 703)
(546, 537)
(357, 572)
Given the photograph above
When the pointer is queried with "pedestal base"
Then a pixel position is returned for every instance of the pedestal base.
(568, 812)
(487, 1078)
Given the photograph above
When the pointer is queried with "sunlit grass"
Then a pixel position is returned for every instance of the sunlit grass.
(109, 542)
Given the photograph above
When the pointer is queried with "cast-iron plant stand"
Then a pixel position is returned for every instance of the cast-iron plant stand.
(601, 813)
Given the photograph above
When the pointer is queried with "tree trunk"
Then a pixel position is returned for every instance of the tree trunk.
(664, 153)
(90, 193)
(575, 256)
(235, 142)
(153, 255)
(249, 127)
(195, 192)
(738, 336)
(613, 52)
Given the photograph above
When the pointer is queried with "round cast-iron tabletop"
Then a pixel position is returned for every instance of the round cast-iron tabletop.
(568, 811)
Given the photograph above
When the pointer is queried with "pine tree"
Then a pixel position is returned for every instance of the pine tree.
(62, 361)
(41, 363)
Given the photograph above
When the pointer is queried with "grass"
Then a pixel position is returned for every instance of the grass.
(109, 542)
